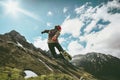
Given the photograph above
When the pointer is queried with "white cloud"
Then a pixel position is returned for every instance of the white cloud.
(49, 13)
(81, 9)
(65, 10)
(61, 39)
(90, 26)
(49, 24)
(88, 14)
(72, 26)
(41, 43)
(74, 47)
(114, 4)
(105, 41)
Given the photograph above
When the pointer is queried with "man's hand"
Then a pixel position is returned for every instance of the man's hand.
(45, 31)
(42, 32)
(54, 38)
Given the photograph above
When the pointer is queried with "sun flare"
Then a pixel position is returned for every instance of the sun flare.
(12, 7)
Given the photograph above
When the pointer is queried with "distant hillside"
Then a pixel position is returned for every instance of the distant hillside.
(103, 66)
(17, 55)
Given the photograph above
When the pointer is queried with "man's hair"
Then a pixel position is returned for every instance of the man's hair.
(58, 27)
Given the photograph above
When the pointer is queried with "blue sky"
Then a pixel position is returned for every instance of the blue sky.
(87, 25)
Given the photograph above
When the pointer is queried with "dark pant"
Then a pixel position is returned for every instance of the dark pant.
(52, 48)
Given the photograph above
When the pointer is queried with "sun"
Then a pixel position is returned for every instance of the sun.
(12, 7)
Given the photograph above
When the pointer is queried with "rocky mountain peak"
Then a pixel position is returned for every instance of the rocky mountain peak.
(13, 33)
(15, 36)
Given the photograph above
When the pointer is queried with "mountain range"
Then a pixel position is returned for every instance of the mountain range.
(17, 56)
(105, 67)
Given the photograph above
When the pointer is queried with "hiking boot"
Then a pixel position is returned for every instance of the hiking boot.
(66, 55)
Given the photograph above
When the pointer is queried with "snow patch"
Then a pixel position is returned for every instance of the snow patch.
(46, 65)
(30, 74)
(19, 44)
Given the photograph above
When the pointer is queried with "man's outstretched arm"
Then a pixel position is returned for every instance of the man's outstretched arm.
(45, 31)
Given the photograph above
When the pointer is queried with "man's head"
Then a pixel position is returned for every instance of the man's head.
(58, 27)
